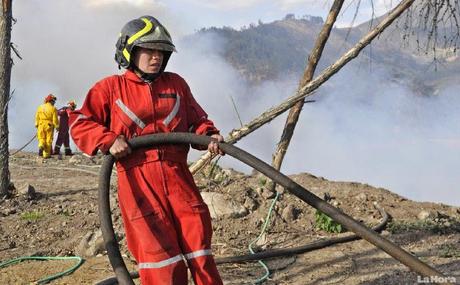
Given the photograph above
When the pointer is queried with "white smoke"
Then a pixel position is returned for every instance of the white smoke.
(367, 128)
(363, 127)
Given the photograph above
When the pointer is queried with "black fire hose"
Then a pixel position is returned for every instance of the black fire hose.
(359, 229)
(277, 252)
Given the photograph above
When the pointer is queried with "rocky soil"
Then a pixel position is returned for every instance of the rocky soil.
(54, 213)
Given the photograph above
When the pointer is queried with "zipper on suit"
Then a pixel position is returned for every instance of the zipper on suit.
(159, 150)
(155, 127)
(152, 96)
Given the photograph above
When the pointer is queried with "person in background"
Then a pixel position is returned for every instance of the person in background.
(46, 121)
(165, 219)
(63, 135)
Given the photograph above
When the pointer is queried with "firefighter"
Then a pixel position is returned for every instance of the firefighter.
(46, 121)
(63, 135)
(165, 219)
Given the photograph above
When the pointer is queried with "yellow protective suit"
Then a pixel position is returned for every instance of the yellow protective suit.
(46, 120)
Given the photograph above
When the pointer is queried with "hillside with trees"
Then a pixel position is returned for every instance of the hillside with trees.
(267, 51)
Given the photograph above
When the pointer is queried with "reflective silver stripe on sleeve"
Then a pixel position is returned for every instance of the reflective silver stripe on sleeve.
(192, 126)
(166, 262)
(81, 116)
(130, 114)
(173, 113)
(198, 253)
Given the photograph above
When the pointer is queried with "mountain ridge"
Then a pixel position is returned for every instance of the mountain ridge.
(266, 51)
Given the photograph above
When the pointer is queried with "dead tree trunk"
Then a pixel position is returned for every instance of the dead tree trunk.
(5, 76)
(313, 60)
(266, 117)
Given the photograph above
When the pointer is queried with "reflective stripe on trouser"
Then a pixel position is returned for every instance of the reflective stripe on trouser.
(166, 221)
(45, 138)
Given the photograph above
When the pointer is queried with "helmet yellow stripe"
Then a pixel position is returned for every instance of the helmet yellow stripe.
(126, 54)
(146, 29)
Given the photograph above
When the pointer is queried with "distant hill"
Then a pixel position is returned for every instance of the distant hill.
(265, 51)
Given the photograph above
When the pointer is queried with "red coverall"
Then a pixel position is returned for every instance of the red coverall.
(165, 218)
(63, 135)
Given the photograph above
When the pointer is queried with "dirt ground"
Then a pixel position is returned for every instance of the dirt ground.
(63, 211)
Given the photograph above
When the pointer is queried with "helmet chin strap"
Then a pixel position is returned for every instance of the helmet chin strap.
(146, 77)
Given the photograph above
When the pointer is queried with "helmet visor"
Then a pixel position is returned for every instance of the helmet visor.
(157, 46)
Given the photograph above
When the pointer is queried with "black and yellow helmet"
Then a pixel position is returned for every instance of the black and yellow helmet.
(146, 32)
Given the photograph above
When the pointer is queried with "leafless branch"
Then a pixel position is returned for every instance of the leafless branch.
(15, 50)
(435, 26)
(236, 111)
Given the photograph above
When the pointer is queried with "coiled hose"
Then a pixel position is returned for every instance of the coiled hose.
(123, 276)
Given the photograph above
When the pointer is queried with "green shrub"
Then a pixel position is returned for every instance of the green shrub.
(262, 181)
(32, 216)
(326, 223)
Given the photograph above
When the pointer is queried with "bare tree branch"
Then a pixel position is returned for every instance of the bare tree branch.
(15, 50)
(236, 111)
(435, 27)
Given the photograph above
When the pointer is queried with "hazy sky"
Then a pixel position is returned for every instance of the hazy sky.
(239, 13)
(364, 127)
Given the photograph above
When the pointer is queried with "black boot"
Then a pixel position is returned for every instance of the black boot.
(68, 152)
(56, 150)
(40, 152)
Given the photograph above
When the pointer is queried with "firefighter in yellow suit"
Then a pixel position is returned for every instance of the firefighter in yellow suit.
(46, 121)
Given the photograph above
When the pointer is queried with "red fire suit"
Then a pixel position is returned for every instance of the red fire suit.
(165, 218)
(63, 135)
